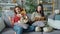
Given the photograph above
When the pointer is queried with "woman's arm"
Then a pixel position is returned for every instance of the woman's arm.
(12, 21)
(33, 16)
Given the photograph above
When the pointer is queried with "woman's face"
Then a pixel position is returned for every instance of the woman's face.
(39, 8)
(17, 10)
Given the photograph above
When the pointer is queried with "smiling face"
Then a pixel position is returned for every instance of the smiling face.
(39, 8)
(17, 10)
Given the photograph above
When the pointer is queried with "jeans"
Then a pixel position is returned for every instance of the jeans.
(20, 30)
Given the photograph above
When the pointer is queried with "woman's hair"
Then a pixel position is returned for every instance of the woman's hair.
(17, 7)
(41, 12)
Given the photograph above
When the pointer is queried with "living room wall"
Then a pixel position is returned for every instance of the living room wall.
(57, 3)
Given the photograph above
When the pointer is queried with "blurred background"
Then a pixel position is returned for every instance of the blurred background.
(30, 5)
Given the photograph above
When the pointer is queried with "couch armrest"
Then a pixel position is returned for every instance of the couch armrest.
(2, 25)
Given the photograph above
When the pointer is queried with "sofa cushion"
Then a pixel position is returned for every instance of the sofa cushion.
(51, 16)
(51, 22)
(5, 15)
(2, 25)
(57, 17)
(57, 24)
(8, 31)
(54, 23)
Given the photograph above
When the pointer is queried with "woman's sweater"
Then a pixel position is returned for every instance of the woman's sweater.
(35, 14)
(37, 23)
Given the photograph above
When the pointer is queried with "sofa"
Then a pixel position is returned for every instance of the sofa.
(8, 30)
(54, 21)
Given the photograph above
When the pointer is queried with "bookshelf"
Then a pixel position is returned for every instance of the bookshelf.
(6, 5)
(48, 5)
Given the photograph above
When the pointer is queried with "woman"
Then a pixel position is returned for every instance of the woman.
(18, 24)
(38, 16)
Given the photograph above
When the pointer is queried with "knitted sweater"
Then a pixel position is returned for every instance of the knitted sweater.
(35, 14)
